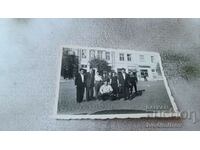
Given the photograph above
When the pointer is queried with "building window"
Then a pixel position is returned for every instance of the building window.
(99, 54)
(121, 57)
(83, 53)
(107, 55)
(152, 59)
(141, 58)
(92, 54)
(129, 57)
(144, 73)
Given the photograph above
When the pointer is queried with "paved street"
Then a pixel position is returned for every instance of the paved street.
(154, 98)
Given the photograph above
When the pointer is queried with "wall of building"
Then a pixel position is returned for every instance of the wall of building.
(133, 64)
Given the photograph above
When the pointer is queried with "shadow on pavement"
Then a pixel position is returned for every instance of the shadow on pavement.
(136, 94)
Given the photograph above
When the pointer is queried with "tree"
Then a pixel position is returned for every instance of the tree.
(69, 65)
(101, 65)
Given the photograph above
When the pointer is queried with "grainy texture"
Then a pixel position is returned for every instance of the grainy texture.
(29, 58)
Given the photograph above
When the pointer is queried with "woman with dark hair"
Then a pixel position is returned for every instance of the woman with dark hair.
(105, 77)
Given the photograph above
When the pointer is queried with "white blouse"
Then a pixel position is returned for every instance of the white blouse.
(105, 89)
(98, 78)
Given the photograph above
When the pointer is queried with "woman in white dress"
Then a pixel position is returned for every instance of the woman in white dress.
(97, 83)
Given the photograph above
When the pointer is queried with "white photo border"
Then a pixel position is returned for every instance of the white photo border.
(175, 114)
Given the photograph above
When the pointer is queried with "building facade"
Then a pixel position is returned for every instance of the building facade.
(144, 63)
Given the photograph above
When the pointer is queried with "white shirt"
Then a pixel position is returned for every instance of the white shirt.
(82, 77)
(105, 89)
(98, 78)
(124, 75)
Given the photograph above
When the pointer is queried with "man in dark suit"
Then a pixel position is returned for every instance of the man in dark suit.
(80, 85)
(89, 85)
(133, 82)
(124, 84)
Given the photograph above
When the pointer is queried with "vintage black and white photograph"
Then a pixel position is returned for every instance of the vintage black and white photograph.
(112, 83)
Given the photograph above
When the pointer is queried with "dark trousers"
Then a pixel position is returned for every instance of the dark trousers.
(135, 87)
(105, 96)
(89, 93)
(115, 89)
(97, 87)
(79, 93)
(125, 92)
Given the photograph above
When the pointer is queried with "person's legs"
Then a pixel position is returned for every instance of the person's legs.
(105, 96)
(117, 92)
(78, 92)
(131, 89)
(108, 96)
(124, 92)
(114, 93)
(96, 90)
(87, 93)
(82, 93)
(114, 90)
(92, 92)
(127, 92)
(113, 87)
(102, 96)
(135, 86)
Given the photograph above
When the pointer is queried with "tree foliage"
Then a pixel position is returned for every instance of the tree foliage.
(101, 65)
(69, 66)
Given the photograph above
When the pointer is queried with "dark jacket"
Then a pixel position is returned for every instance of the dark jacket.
(105, 78)
(89, 82)
(133, 80)
(122, 81)
(114, 81)
(78, 80)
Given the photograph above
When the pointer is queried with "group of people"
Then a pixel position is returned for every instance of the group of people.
(106, 86)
